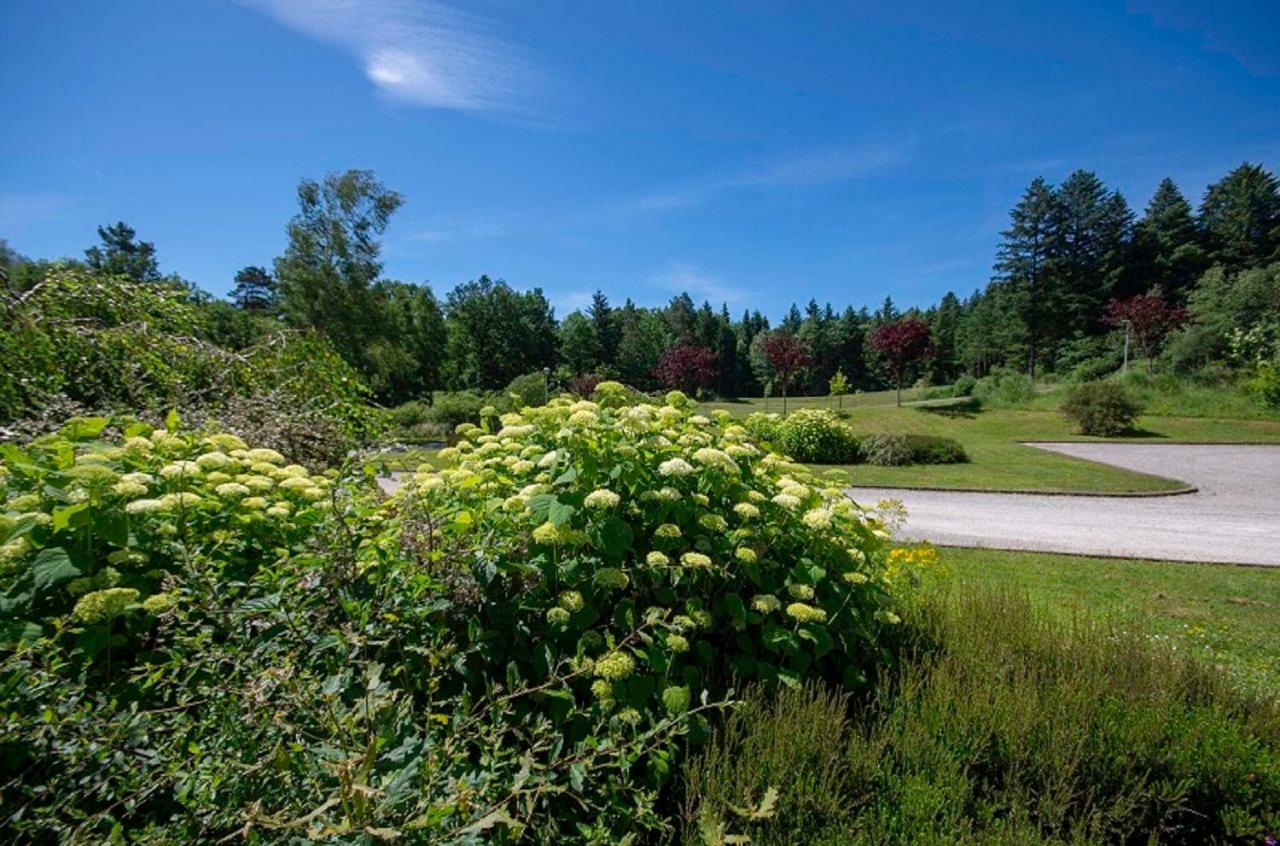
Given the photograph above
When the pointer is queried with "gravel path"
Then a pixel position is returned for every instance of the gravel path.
(1234, 517)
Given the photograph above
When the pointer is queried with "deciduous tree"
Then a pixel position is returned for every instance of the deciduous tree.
(904, 345)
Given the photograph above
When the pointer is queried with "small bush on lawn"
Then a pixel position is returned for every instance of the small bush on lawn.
(1045, 733)
(894, 450)
(458, 407)
(1101, 408)
(965, 386)
(817, 436)
(765, 427)
(1004, 389)
(531, 389)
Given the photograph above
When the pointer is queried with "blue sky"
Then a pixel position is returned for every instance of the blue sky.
(754, 153)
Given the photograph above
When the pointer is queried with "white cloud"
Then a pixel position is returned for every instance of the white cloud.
(809, 169)
(678, 277)
(418, 51)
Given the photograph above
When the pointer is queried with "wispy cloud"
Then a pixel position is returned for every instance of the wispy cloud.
(418, 51)
(808, 169)
(678, 277)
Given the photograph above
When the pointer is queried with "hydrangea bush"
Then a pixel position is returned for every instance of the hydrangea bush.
(93, 529)
(658, 552)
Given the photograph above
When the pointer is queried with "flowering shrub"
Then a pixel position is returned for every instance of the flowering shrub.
(817, 435)
(657, 551)
(92, 529)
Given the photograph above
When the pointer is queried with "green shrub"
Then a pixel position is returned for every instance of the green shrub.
(1101, 408)
(1004, 389)
(885, 449)
(965, 386)
(1266, 383)
(531, 389)
(817, 436)
(410, 414)
(457, 407)
(765, 427)
(1049, 733)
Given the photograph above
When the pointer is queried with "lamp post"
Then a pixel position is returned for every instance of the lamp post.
(546, 380)
(1125, 367)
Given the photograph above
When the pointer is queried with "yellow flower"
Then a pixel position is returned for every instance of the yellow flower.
(103, 605)
(802, 613)
(745, 554)
(657, 559)
(765, 603)
(695, 559)
(547, 533)
(615, 666)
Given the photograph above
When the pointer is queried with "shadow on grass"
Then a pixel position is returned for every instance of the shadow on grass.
(964, 408)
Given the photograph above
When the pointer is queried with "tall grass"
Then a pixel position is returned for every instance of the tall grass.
(1000, 726)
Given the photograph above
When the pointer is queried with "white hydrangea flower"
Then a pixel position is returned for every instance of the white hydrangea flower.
(601, 498)
(675, 467)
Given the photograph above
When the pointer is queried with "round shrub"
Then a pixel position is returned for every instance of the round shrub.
(817, 436)
(531, 389)
(651, 547)
(964, 386)
(885, 449)
(764, 427)
(453, 409)
(1101, 408)
(1004, 388)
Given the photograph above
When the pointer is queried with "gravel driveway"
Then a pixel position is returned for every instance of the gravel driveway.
(1234, 517)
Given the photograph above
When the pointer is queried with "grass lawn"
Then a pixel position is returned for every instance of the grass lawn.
(999, 462)
(1226, 614)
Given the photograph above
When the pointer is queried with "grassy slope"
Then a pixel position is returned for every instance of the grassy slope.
(1227, 614)
(1000, 462)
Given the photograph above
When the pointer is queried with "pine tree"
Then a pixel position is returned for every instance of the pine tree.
(1093, 228)
(1166, 247)
(121, 255)
(1026, 265)
(255, 290)
(606, 328)
(1240, 216)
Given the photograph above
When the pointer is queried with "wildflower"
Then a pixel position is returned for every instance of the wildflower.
(746, 511)
(258, 483)
(656, 559)
(802, 613)
(615, 666)
(800, 591)
(144, 506)
(675, 467)
(214, 461)
(225, 442)
(695, 559)
(787, 501)
(676, 700)
(102, 605)
(168, 502)
(745, 554)
(667, 530)
(765, 603)
(179, 468)
(557, 616)
(817, 518)
(571, 600)
(158, 603)
(713, 523)
(601, 498)
(611, 578)
(677, 643)
(128, 489)
(232, 490)
(712, 457)
(547, 533)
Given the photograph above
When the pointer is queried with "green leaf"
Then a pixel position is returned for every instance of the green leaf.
(172, 421)
(67, 516)
(614, 537)
(560, 513)
(52, 565)
(84, 428)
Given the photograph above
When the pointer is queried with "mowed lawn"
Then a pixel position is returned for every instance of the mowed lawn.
(1228, 615)
(998, 461)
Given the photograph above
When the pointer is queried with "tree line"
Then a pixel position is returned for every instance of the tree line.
(1074, 265)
